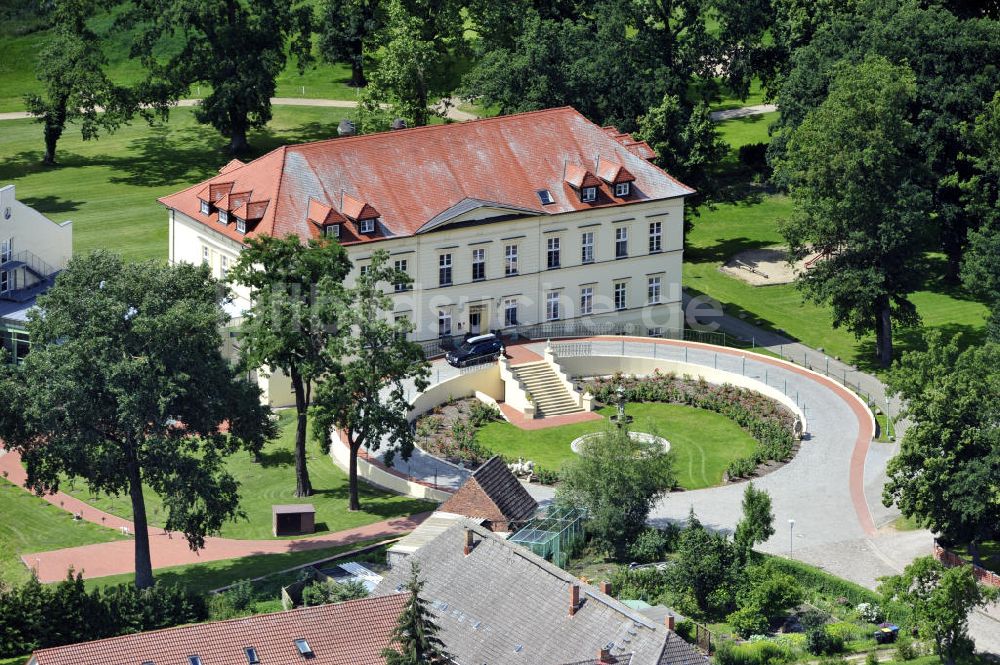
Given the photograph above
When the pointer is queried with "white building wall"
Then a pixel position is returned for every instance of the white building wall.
(27, 229)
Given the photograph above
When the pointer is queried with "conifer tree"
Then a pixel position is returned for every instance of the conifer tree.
(415, 637)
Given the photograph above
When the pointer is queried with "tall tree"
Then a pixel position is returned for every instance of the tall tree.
(618, 480)
(349, 32)
(940, 599)
(365, 397)
(423, 40)
(237, 47)
(416, 634)
(948, 467)
(757, 523)
(981, 268)
(126, 388)
(704, 565)
(859, 197)
(296, 323)
(76, 88)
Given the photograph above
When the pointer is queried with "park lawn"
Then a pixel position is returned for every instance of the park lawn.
(731, 101)
(273, 482)
(109, 187)
(745, 131)
(204, 577)
(702, 442)
(30, 524)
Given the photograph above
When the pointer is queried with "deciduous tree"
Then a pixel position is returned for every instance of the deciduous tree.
(365, 396)
(941, 599)
(948, 467)
(853, 170)
(757, 523)
(704, 565)
(349, 32)
(76, 88)
(296, 323)
(618, 480)
(125, 387)
(237, 47)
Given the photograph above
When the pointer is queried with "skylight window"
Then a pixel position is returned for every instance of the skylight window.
(252, 657)
(304, 648)
(545, 197)
(194, 660)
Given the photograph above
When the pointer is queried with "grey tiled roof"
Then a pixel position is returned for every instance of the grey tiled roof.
(502, 604)
(505, 490)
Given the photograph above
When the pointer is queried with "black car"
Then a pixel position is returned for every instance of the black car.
(479, 349)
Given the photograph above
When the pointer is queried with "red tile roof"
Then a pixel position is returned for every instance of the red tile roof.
(579, 176)
(613, 172)
(411, 176)
(349, 633)
(357, 210)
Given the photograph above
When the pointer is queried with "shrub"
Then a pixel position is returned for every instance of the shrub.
(331, 591)
(869, 612)
(905, 649)
(481, 413)
(819, 642)
(754, 156)
(687, 631)
(755, 653)
(240, 595)
(871, 658)
(650, 546)
(748, 621)
(741, 467)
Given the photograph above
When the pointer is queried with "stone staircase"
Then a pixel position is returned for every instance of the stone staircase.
(548, 393)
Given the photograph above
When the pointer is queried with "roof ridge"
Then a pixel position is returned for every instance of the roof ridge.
(411, 130)
(252, 617)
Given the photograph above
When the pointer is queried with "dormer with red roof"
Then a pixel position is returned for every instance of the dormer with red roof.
(326, 218)
(617, 177)
(363, 214)
(583, 181)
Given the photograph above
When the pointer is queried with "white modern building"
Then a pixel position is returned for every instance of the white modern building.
(534, 218)
(33, 249)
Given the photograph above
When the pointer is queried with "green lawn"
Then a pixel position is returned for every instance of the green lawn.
(744, 131)
(703, 443)
(273, 482)
(109, 187)
(30, 524)
(203, 577)
(731, 101)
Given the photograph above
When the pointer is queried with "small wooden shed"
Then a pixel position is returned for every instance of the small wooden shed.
(293, 519)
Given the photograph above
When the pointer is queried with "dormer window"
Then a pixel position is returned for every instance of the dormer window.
(223, 216)
(241, 225)
(588, 194)
(367, 225)
(332, 231)
(623, 189)
(205, 209)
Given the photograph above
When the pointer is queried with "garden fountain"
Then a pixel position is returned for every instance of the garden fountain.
(621, 419)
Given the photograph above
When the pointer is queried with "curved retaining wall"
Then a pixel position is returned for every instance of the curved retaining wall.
(585, 366)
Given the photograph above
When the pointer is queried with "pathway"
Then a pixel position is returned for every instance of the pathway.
(166, 549)
(452, 112)
(731, 114)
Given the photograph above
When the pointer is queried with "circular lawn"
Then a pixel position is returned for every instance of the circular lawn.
(702, 442)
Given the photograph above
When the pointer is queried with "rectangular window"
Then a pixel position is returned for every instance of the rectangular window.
(204, 254)
(194, 660)
(552, 306)
(205, 208)
(6, 250)
(400, 266)
(332, 231)
(403, 326)
(4, 281)
(586, 300)
(478, 264)
(363, 270)
(588, 194)
(655, 237)
(621, 242)
(552, 253)
(241, 225)
(510, 312)
(620, 299)
(223, 265)
(654, 291)
(223, 216)
(510, 260)
(655, 332)
(587, 247)
(367, 225)
(622, 189)
(444, 323)
(252, 657)
(444, 270)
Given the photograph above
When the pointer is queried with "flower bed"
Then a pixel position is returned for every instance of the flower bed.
(764, 419)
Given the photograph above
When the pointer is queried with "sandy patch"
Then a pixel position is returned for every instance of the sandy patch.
(766, 266)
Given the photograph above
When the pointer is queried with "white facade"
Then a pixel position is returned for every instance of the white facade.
(620, 264)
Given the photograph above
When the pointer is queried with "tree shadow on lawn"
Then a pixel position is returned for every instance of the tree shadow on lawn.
(279, 457)
(378, 502)
(722, 251)
(24, 163)
(915, 339)
(51, 205)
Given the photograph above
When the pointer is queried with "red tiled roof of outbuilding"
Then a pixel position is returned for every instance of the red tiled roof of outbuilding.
(348, 633)
(412, 176)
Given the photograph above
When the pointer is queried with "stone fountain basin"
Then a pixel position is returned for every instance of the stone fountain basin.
(635, 436)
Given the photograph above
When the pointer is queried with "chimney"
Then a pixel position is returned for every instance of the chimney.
(605, 587)
(669, 621)
(604, 656)
(574, 598)
(469, 542)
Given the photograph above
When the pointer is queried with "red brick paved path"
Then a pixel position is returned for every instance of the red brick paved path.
(118, 557)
